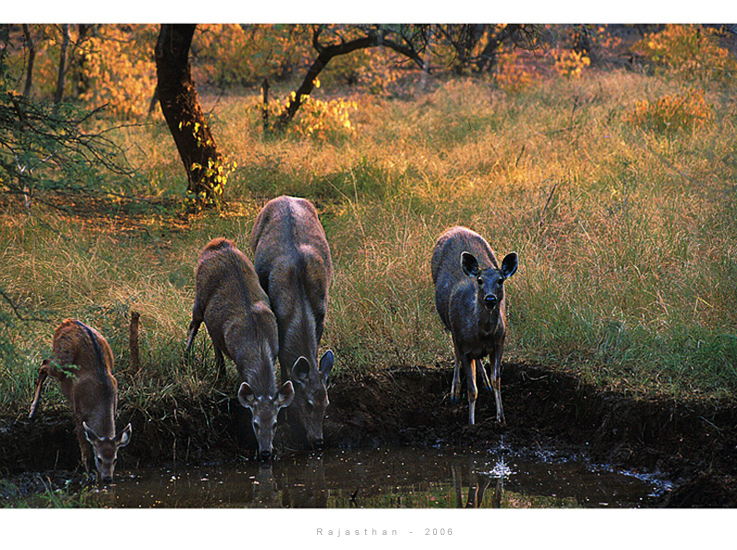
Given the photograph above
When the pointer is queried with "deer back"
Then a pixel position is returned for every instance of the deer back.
(235, 308)
(293, 262)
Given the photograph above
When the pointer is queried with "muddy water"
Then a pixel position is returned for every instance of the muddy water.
(387, 478)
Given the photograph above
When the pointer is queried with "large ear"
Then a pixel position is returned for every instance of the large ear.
(90, 434)
(246, 396)
(285, 396)
(326, 364)
(509, 265)
(301, 370)
(125, 437)
(469, 264)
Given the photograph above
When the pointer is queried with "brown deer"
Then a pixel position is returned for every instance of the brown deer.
(293, 263)
(240, 322)
(82, 361)
(469, 297)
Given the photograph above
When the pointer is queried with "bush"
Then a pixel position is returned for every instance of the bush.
(691, 52)
(316, 119)
(119, 70)
(671, 113)
(570, 63)
(513, 75)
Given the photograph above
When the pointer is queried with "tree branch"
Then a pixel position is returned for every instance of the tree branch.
(373, 38)
(15, 309)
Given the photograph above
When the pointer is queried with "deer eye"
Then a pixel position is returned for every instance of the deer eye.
(480, 281)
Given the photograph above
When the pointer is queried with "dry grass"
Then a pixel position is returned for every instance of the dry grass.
(626, 236)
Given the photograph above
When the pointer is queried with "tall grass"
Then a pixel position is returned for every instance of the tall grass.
(626, 236)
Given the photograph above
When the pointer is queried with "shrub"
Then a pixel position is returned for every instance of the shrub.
(688, 51)
(671, 113)
(513, 74)
(119, 70)
(570, 63)
(316, 119)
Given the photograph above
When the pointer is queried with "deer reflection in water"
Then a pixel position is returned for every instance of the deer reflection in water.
(477, 486)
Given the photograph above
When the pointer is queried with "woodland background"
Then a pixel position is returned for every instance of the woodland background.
(603, 154)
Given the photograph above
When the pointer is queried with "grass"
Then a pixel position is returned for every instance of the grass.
(627, 237)
(69, 495)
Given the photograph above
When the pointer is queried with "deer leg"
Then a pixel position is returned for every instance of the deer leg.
(43, 373)
(84, 447)
(194, 326)
(219, 362)
(455, 389)
(485, 376)
(473, 392)
(496, 384)
(457, 484)
(483, 485)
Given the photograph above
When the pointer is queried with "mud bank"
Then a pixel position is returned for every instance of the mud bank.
(693, 444)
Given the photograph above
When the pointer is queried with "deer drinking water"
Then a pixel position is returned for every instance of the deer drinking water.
(469, 297)
(293, 263)
(240, 322)
(82, 362)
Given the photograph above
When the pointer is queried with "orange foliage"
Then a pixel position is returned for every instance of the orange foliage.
(570, 63)
(513, 73)
(119, 69)
(689, 51)
(673, 112)
(316, 119)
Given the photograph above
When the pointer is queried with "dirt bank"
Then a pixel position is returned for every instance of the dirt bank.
(693, 444)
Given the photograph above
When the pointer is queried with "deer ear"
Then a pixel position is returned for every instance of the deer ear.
(125, 437)
(246, 396)
(285, 396)
(326, 364)
(469, 264)
(509, 265)
(90, 434)
(301, 370)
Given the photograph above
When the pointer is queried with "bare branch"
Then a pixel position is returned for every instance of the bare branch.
(15, 309)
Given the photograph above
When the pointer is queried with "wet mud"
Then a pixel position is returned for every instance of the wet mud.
(692, 444)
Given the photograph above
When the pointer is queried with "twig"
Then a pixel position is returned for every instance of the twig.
(547, 202)
(15, 309)
(522, 152)
(133, 342)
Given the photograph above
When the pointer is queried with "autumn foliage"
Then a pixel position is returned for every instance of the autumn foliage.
(111, 68)
(692, 52)
(671, 113)
(118, 70)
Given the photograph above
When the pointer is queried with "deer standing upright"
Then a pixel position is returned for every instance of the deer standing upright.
(469, 297)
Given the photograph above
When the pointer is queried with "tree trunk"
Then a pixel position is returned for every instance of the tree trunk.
(181, 108)
(79, 60)
(31, 45)
(65, 39)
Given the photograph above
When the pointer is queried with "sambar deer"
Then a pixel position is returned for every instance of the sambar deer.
(469, 297)
(82, 362)
(293, 263)
(238, 317)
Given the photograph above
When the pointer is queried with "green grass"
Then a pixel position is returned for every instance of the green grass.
(67, 496)
(627, 238)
